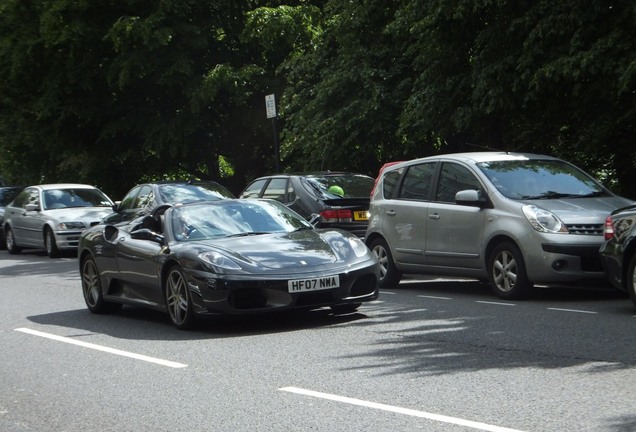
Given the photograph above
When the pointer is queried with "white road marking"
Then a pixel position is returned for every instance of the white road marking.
(496, 303)
(102, 348)
(572, 310)
(398, 410)
(387, 292)
(435, 297)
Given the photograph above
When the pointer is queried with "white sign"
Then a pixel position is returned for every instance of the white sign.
(270, 104)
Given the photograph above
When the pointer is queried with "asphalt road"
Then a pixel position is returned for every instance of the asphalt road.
(431, 355)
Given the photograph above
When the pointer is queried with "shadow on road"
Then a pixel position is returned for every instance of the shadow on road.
(143, 324)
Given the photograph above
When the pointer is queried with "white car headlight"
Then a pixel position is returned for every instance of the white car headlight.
(543, 220)
(219, 260)
(70, 225)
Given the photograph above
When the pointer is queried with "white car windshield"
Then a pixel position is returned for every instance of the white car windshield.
(68, 198)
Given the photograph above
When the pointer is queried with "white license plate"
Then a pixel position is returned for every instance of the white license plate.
(303, 285)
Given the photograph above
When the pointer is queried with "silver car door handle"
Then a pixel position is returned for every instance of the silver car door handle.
(390, 212)
(433, 216)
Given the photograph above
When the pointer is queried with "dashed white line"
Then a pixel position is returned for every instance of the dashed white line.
(399, 410)
(102, 348)
(496, 303)
(572, 310)
(435, 297)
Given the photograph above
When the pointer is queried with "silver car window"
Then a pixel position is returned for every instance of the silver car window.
(418, 182)
(454, 178)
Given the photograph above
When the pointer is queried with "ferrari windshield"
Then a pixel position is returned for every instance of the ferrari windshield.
(199, 221)
(187, 192)
(540, 179)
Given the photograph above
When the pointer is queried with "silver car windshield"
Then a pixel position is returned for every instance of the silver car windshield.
(206, 221)
(540, 179)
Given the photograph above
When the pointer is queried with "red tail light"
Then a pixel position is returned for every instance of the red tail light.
(608, 231)
(332, 216)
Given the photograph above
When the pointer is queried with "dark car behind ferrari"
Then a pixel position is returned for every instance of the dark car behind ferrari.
(328, 199)
(144, 197)
(618, 253)
(224, 257)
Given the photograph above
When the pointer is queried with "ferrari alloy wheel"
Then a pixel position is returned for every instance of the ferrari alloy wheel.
(49, 242)
(631, 279)
(12, 248)
(507, 272)
(178, 299)
(389, 275)
(92, 288)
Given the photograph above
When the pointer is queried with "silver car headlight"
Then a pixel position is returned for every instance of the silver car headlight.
(219, 260)
(70, 225)
(543, 220)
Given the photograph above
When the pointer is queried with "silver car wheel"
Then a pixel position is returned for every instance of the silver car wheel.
(382, 257)
(505, 271)
(178, 299)
(389, 275)
(49, 242)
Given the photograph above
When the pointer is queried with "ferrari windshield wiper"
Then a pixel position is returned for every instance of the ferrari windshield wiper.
(249, 233)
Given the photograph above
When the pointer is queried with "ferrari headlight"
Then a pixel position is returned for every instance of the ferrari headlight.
(359, 248)
(70, 225)
(543, 220)
(219, 260)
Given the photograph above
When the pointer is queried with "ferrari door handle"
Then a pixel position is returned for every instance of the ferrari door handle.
(433, 216)
(390, 212)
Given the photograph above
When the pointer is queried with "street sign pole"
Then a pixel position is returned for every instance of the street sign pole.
(270, 106)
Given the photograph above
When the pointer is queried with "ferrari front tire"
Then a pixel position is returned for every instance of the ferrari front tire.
(179, 299)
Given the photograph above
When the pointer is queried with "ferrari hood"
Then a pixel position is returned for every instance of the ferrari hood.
(303, 249)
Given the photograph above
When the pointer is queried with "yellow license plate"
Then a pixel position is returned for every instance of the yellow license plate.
(361, 215)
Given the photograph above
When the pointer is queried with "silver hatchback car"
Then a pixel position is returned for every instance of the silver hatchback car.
(512, 219)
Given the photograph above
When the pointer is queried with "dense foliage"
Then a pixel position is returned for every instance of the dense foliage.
(111, 92)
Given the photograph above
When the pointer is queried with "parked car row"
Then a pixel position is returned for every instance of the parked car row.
(309, 240)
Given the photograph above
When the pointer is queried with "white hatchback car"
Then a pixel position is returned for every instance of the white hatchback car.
(512, 219)
(52, 216)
